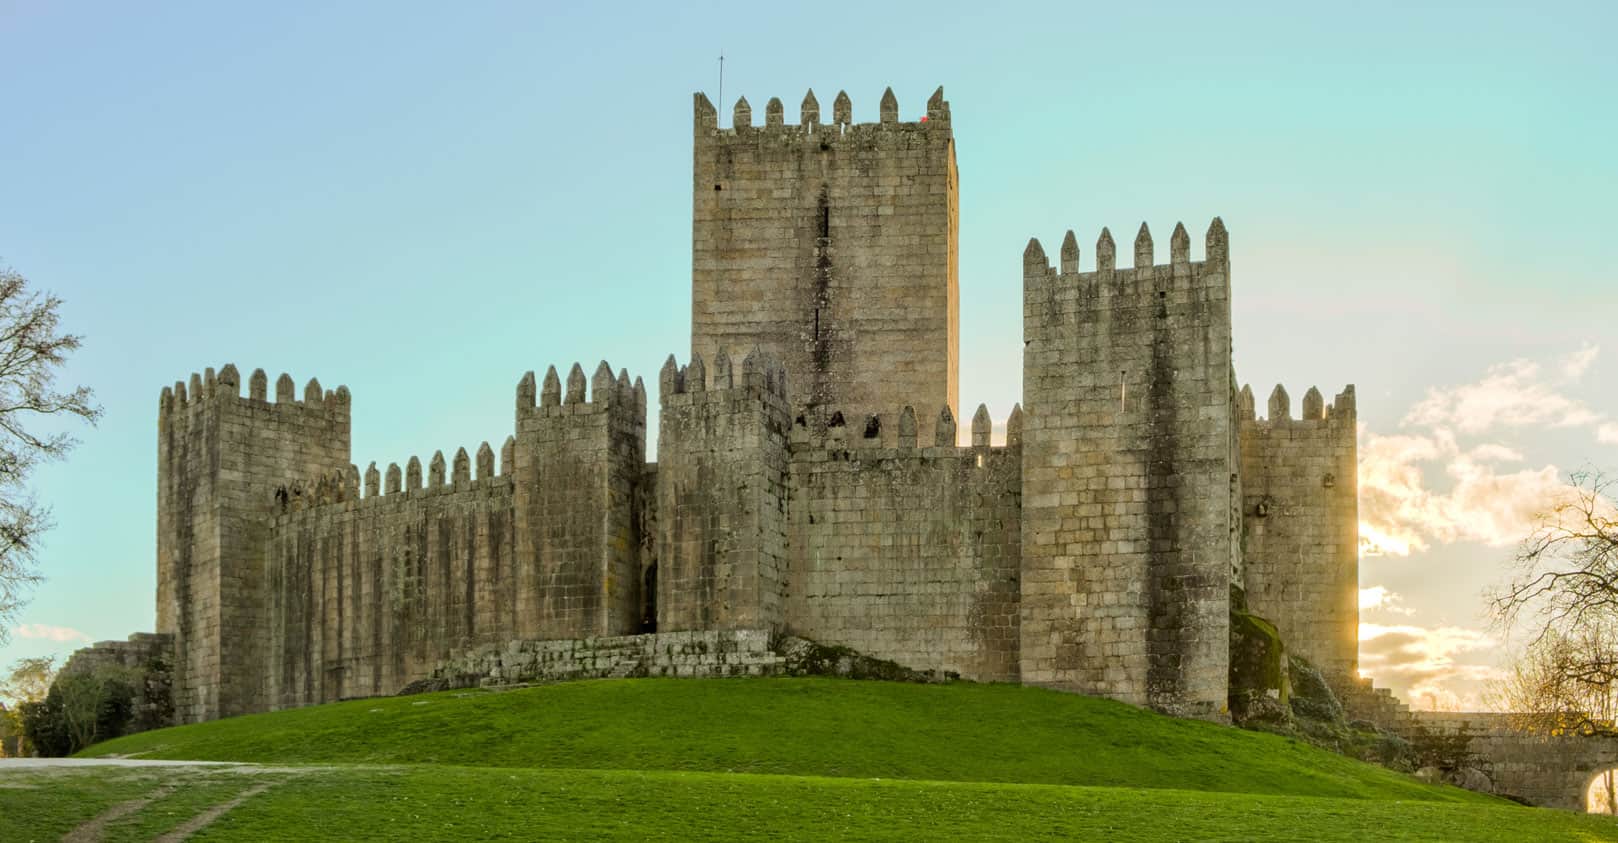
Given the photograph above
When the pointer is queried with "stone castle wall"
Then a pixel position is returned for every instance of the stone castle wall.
(1300, 494)
(832, 247)
(1127, 473)
(367, 593)
(907, 550)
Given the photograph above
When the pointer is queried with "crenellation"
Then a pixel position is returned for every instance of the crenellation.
(461, 468)
(551, 394)
(944, 430)
(982, 427)
(575, 385)
(1179, 248)
(485, 462)
(809, 111)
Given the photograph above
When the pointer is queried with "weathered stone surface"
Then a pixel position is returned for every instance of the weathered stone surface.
(708, 654)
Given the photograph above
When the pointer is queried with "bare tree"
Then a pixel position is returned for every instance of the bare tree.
(32, 350)
(1563, 684)
(1564, 595)
(1567, 569)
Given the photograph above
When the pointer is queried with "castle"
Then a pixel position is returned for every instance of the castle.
(809, 477)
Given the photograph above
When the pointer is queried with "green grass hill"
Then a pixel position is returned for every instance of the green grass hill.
(792, 758)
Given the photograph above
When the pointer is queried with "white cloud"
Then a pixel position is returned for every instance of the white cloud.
(1576, 364)
(1424, 662)
(1400, 513)
(45, 632)
(1378, 597)
(1423, 486)
(1519, 393)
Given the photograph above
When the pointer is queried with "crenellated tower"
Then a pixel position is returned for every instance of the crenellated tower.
(221, 457)
(1128, 472)
(578, 465)
(722, 495)
(1300, 520)
(831, 247)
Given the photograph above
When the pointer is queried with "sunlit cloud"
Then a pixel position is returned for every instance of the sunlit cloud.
(1478, 501)
(1424, 486)
(1519, 393)
(46, 632)
(1379, 598)
(1424, 661)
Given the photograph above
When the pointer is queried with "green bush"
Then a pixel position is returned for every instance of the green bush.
(81, 708)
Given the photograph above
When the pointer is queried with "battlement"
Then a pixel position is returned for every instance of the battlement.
(895, 433)
(1042, 280)
(1315, 411)
(706, 120)
(761, 375)
(342, 488)
(604, 392)
(206, 387)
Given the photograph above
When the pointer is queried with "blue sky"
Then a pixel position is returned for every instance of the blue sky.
(424, 202)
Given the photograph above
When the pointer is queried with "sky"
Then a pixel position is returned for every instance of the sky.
(423, 201)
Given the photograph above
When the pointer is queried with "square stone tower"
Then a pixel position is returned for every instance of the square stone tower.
(832, 248)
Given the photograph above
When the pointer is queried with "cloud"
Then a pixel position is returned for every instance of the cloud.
(1424, 486)
(1519, 393)
(1424, 661)
(1380, 598)
(45, 632)
(1479, 501)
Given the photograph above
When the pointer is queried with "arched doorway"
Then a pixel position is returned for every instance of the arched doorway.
(1601, 795)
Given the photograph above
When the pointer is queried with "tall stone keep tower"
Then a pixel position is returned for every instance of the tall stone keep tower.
(221, 458)
(1129, 474)
(832, 248)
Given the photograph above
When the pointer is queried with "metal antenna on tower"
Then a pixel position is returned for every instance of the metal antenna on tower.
(721, 80)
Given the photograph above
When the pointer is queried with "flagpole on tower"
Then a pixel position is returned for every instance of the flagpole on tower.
(721, 80)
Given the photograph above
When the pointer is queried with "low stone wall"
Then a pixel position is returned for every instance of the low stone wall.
(705, 654)
(149, 657)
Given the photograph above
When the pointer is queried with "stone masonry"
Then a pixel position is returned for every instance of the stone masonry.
(813, 480)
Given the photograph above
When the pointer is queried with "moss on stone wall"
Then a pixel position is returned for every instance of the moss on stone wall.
(1260, 688)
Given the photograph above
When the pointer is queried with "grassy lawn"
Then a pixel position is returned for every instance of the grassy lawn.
(815, 727)
(796, 759)
(462, 803)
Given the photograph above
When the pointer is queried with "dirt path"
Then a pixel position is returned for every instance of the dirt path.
(91, 831)
(207, 818)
